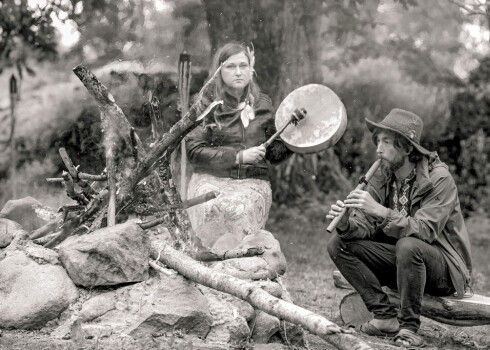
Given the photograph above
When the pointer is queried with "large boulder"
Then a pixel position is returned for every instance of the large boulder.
(33, 290)
(159, 305)
(107, 257)
(8, 231)
(23, 211)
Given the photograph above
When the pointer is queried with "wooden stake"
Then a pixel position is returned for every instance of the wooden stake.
(13, 152)
(184, 91)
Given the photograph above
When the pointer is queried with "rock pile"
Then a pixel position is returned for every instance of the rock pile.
(99, 285)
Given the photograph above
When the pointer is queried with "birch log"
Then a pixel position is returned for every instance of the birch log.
(259, 299)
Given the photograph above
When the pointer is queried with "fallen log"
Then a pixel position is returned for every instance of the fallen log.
(259, 299)
(470, 311)
(466, 312)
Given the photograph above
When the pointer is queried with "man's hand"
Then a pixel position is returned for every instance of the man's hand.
(335, 211)
(364, 201)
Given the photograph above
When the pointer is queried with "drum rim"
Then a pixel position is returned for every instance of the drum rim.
(330, 141)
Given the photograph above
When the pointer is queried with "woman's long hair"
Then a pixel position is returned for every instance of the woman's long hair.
(225, 52)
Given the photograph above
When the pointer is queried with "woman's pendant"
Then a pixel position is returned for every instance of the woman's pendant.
(247, 115)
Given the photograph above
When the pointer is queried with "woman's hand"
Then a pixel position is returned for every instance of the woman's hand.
(252, 155)
(364, 201)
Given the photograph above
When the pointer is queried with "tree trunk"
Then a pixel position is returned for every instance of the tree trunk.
(258, 298)
(285, 35)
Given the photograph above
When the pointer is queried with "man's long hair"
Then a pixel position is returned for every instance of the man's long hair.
(225, 52)
(401, 143)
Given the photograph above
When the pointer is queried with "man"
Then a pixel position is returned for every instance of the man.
(406, 231)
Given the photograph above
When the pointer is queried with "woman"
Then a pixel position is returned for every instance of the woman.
(227, 154)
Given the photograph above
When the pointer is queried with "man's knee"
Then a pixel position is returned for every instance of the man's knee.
(407, 248)
(333, 246)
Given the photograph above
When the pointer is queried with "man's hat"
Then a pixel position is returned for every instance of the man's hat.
(405, 123)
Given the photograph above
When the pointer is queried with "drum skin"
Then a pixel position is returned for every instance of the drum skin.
(324, 124)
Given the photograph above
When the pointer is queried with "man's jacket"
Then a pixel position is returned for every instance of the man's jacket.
(212, 148)
(435, 217)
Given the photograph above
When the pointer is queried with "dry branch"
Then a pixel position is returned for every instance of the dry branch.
(183, 205)
(111, 179)
(162, 149)
(73, 171)
(111, 112)
(214, 255)
(83, 176)
(44, 230)
(70, 226)
(259, 299)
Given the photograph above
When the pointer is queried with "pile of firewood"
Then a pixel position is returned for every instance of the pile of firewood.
(138, 181)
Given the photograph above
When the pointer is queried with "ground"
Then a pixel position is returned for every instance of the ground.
(304, 240)
(301, 232)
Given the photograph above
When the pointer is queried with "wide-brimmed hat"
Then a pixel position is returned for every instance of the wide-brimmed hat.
(405, 123)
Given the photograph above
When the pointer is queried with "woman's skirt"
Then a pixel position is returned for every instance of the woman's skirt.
(241, 207)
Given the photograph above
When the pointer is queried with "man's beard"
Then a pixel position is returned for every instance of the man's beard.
(389, 167)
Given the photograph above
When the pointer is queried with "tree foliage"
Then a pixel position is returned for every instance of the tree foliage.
(26, 32)
(376, 55)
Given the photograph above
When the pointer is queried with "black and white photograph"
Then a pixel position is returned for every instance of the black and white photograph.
(244, 174)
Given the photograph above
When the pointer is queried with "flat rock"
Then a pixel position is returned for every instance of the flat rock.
(108, 256)
(31, 294)
(23, 211)
(159, 305)
(8, 231)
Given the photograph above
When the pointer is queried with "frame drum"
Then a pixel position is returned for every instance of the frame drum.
(324, 124)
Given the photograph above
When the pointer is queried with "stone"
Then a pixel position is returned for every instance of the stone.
(32, 294)
(159, 305)
(270, 265)
(23, 211)
(91, 331)
(40, 254)
(8, 231)
(108, 256)
(98, 306)
(265, 327)
(229, 317)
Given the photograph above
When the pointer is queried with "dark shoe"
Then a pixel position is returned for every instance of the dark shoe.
(369, 329)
